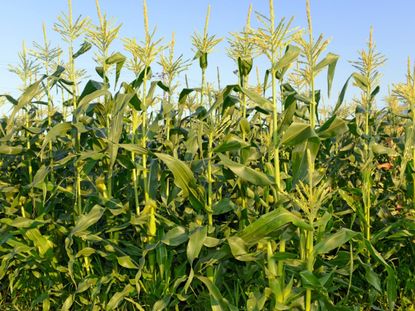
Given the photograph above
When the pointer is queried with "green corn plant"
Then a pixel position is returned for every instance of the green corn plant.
(70, 31)
(102, 36)
(26, 71)
(172, 68)
(367, 80)
(27, 68)
(405, 92)
(204, 45)
(271, 40)
(146, 52)
(242, 50)
(48, 56)
(312, 51)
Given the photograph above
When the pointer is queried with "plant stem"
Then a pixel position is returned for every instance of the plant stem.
(77, 138)
(210, 179)
(310, 234)
(144, 136)
(50, 104)
(134, 173)
(277, 177)
(310, 266)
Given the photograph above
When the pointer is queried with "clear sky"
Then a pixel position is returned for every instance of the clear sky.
(347, 22)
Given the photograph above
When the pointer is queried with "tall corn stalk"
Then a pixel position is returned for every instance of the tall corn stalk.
(367, 79)
(242, 51)
(405, 92)
(26, 70)
(272, 39)
(204, 45)
(70, 31)
(48, 56)
(146, 52)
(312, 50)
(102, 36)
(172, 67)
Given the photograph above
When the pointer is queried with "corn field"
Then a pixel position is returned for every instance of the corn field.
(156, 195)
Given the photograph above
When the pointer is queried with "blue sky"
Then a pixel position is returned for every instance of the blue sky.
(347, 22)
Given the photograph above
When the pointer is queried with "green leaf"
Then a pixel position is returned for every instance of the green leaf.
(330, 61)
(175, 236)
(341, 96)
(39, 177)
(21, 222)
(297, 133)
(244, 66)
(300, 165)
(59, 130)
(218, 302)
(10, 99)
(183, 176)
(29, 93)
(246, 173)
(222, 98)
(41, 242)
(86, 284)
(90, 87)
(291, 54)
(85, 47)
(334, 241)
(373, 278)
(391, 289)
(309, 280)
(118, 59)
(184, 94)
(231, 143)
(85, 252)
(380, 149)
(196, 240)
(161, 304)
(223, 206)
(239, 249)
(120, 103)
(333, 127)
(68, 303)
(290, 106)
(262, 102)
(139, 80)
(268, 224)
(11, 150)
(87, 220)
(59, 70)
(126, 262)
(137, 149)
(374, 92)
(87, 99)
(360, 81)
(118, 297)
(184, 179)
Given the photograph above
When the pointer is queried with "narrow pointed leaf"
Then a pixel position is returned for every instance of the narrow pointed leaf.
(334, 241)
(246, 173)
